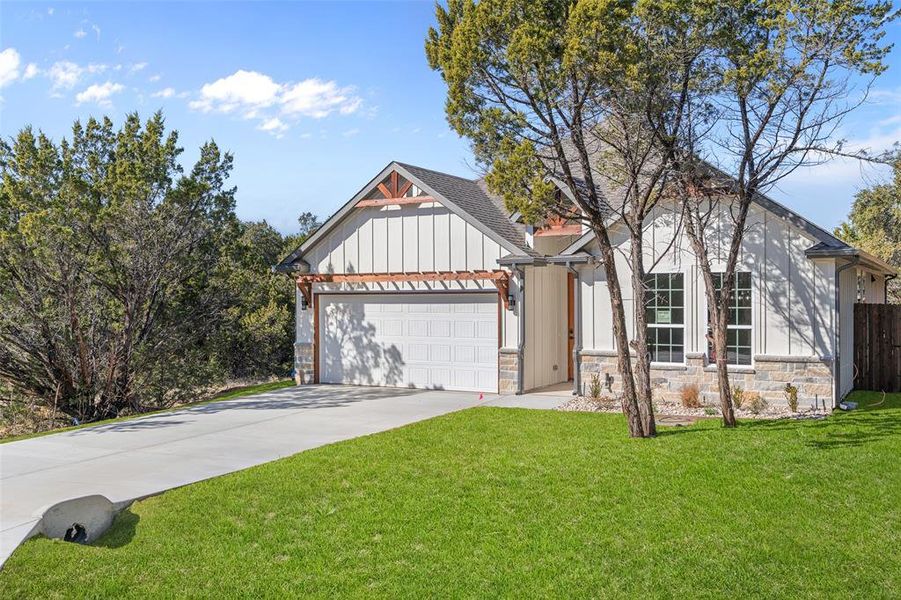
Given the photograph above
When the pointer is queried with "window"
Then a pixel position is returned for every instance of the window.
(738, 329)
(665, 313)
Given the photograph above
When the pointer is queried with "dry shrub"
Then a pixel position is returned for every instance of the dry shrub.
(738, 397)
(691, 395)
(756, 403)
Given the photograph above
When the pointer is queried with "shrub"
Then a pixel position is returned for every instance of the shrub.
(594, 387)
(756, 403)
(738, 397)
(791, 396)
(710, 411)
(691, 395)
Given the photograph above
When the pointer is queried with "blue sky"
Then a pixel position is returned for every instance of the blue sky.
(312, 98)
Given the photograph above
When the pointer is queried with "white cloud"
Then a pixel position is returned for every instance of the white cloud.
(9, 66)
(350, 132)
(275, 126)
(243, 89)
(154, 78)
(99, 93)
(64, 74)
(317, 99)
(31, 70)
(137, 67)
(96, 30)
(50, 11)
(255, 95)
(80, 33)
(164, 93)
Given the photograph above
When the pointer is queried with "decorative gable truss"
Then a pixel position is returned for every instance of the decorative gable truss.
(394, 190)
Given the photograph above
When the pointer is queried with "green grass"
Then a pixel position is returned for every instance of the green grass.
(502, 502)
(246, 390)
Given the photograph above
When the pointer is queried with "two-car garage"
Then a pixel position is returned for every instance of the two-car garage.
(423, 340)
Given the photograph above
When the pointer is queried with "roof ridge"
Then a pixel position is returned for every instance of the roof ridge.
(408, 165)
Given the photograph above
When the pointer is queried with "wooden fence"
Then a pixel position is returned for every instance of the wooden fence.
(877, 347)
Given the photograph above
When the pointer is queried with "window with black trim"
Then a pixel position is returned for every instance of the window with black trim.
(738, 328)
(665, 314)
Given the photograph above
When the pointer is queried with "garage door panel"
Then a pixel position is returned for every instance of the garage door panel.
(384, 340)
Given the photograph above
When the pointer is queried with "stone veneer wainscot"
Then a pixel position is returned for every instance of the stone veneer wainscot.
(768, 376)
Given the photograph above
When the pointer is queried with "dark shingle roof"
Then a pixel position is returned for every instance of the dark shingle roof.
(472, 196)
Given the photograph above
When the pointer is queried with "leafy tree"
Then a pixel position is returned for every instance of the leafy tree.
(574, 108)
(108, 252)
(783, 73)
(874, 225)
(257, 325)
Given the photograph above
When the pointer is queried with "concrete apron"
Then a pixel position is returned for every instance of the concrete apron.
(107, 467)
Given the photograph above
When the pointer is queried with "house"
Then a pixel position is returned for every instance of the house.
(423, 279)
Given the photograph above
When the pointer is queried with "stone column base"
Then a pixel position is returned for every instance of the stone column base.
(508, 371)
(303, 363)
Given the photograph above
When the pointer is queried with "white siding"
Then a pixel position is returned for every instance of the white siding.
(792, 296)
(405, 239)
(847, 298)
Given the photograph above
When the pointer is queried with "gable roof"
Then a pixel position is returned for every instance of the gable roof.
(468, 198)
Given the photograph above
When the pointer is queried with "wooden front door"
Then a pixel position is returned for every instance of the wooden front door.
(570, 323)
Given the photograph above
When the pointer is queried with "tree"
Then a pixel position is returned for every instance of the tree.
(257, 320)
(580, 98)
(108, 251)
(784, 72)
(874, 225)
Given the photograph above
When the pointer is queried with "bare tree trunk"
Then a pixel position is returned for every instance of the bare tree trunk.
(722, 369)
(640, 341)
(629, 399)
(717, 304)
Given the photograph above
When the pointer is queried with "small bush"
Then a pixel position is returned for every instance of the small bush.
(710, 411)
(691, 395)
(594, 387)
(791, 396)
(738, 397)
(756, 403)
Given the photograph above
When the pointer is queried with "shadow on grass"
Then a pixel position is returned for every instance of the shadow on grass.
(840, 430)
(121, 532)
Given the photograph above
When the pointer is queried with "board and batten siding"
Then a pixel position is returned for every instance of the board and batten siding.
(792, 296)
(405, 239)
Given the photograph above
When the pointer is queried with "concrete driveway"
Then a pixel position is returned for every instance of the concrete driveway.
(147, 455)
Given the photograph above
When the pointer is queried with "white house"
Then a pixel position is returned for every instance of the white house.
(423, 279)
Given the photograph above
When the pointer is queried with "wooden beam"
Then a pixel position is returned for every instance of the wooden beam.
(500, 278)
(402, 277)
(384, 190)
(403, 190)
(394, 201)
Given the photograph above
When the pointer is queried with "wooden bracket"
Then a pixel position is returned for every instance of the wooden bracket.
(503, 289)
(306, 289)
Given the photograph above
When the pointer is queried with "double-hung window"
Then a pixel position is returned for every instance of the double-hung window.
(665, 314)
(738, 329)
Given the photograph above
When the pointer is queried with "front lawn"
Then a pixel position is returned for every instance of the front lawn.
(503, 502)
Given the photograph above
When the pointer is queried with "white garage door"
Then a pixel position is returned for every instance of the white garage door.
(436, 341)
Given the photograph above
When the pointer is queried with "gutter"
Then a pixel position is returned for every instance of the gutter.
(837, 363)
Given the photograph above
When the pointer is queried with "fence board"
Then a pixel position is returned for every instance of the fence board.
(877, 347)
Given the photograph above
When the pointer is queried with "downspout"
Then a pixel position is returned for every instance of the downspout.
(836, 361)
(577, 331)
(521, 323)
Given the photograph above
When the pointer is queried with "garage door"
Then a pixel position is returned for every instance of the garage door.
(436, 341)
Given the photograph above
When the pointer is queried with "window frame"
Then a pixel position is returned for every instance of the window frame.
(749, 327)
(650, 295)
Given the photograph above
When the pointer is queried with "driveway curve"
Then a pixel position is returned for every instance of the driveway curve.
(140, 457)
